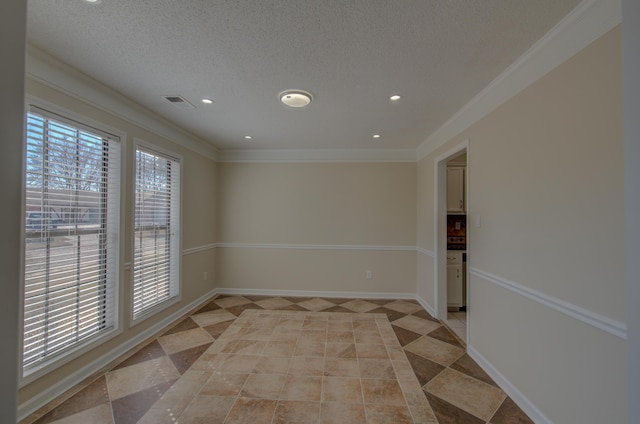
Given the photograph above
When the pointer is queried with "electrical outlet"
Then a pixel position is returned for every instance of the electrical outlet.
(204, 276)
(369, 275)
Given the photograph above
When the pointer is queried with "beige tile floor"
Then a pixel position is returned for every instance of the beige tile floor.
(213, 366)
(457, 322)
(328, 365)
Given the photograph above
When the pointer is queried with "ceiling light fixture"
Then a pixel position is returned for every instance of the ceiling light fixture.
(376, 136)
(207, 101)
(93, 1)
(295, 98)
(395, 98)
(248, 137)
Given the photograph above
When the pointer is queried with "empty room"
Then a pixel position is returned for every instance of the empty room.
(289, 211)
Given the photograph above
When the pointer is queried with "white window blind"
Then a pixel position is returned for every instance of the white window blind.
(157, 230)
(71, 235)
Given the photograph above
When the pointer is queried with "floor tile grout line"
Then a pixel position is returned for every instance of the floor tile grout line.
(497, 409)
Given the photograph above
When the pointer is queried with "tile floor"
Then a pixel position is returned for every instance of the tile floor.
(292, 367)
(202, 368)
(457, 322)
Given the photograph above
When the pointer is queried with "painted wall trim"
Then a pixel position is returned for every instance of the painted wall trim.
(588, 21)
(319, 155)
(596, 320)
(197, 249)
(53, 391)
(525, 404)
(425, 251)
(316, 246)
(48, 70)
(308, 293)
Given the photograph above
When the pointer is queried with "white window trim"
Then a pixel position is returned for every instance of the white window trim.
(58, 361)
(137, 142)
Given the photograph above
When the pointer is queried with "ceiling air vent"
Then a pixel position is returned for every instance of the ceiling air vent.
(179, 102)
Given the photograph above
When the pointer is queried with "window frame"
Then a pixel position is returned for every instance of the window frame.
(31, 373)
(152, 311)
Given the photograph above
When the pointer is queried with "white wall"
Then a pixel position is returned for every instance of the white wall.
(12, 36)
(631, 72)
(547, 282)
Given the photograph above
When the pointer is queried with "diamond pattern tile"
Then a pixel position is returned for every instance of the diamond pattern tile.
(316, 304)
(359, 305)
(272, 377)
(273, 303)
(403, 306)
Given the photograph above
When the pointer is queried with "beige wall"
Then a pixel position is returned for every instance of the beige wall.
(310, 270)
(198, 224)
(425, 235)
(321, 204)
(546, 176)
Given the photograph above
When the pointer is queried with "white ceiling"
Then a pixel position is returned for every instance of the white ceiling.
(350, 54)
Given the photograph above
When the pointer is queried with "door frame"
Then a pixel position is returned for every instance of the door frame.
(440, 226)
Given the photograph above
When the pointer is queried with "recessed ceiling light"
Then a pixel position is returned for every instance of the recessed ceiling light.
(207, 101)
(376, 136)
(395, 98)
(295, 98)
(248, 137)
(93, 1)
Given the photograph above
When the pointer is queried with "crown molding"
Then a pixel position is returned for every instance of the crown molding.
(46, 69)
(318, 155)
(587, 22)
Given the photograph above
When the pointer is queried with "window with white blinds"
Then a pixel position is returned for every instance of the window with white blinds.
(156, 261)
(72, 182)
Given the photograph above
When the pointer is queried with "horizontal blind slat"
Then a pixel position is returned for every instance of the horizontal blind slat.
(72, 207)
(155, 225)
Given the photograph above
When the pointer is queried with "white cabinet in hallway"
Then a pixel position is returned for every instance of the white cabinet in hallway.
(454, 279)
(456, 189)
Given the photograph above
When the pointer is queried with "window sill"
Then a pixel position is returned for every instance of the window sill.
(155, 310)
(33, 373)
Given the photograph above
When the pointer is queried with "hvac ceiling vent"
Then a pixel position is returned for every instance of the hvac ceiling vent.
(179, 102)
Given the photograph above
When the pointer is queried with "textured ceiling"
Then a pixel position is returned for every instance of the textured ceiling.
(351, 55)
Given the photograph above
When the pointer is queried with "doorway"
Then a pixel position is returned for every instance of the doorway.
(451, 238)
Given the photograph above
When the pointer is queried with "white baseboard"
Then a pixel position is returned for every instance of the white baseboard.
(426, 305)
(50, 393)
(307, 293)
(525, 404)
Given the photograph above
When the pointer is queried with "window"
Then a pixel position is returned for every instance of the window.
(72, 193)
(156, 261)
